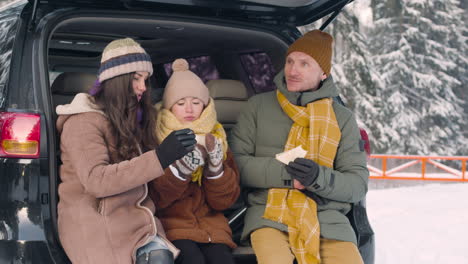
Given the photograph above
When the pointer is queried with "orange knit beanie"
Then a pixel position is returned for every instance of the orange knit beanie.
(316, 44)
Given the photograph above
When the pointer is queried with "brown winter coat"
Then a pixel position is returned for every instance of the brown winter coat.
(104, 213)
(190, 211)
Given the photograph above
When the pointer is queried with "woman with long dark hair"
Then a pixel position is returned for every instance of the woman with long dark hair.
(109, 154)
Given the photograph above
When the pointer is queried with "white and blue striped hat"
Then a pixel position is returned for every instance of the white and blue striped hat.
(123, 56)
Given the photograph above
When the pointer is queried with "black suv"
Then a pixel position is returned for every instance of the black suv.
(50, 51)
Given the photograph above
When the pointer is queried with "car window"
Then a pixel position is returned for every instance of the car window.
(9, 15)
(260, 71)
(202, 66)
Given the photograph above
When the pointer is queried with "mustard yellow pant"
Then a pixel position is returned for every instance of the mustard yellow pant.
(271, 246)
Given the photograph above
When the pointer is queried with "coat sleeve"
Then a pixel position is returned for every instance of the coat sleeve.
(84, 146)
(256, 172)
(222, 193)
(167, 189)
(347, 181)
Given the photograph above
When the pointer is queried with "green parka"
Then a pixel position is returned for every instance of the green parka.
(261, 132)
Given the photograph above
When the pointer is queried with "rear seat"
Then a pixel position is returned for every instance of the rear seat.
(68, 84)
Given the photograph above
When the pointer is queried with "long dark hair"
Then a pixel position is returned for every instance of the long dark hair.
(117, 100)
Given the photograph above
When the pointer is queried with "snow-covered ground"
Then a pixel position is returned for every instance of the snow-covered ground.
(420, 224)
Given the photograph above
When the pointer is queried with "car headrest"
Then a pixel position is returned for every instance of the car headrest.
(227, 90)
(230, 97)
(71, 83)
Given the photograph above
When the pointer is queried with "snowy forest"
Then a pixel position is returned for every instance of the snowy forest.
(401, 66)
(4, 2)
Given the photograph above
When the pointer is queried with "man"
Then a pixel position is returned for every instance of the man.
(298, 211)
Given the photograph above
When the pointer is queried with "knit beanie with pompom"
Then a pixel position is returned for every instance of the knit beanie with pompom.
(184, 83)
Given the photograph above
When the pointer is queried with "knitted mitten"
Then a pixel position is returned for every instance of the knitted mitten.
(215, 155)
(190, 162)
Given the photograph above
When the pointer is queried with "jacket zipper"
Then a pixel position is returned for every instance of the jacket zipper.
(138, 204)
(148, 237)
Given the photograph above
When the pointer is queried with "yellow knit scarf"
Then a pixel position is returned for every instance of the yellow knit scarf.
(206, 123)
(316, 129)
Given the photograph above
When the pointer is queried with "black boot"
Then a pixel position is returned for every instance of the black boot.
(142, 259)
(160, 256)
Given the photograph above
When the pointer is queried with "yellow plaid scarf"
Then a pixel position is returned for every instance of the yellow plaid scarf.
(316, 129)
(206, 123)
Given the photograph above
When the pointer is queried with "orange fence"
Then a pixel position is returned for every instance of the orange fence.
(397, 167)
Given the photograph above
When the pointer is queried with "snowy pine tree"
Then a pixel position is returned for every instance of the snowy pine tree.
(420, 54)
(404, 73)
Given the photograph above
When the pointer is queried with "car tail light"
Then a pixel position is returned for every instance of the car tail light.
(20, 135)
(365, 137)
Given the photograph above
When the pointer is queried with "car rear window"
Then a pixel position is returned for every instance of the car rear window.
(9, 15)
(260, 71)
(202, 66)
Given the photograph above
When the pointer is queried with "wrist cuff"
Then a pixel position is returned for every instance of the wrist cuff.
(214, 170)
(176, 173)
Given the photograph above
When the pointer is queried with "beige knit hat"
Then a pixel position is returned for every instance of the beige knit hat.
(318, 45)
(123, 56)
(184, 83)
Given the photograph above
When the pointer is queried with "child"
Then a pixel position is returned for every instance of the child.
(195, 189)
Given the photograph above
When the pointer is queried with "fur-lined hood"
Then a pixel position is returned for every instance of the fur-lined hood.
(82, 103)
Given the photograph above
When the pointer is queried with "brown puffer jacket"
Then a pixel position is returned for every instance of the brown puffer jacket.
(104, 213)
(190, 211)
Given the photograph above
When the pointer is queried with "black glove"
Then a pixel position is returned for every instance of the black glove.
(303, 170)
(175, 146)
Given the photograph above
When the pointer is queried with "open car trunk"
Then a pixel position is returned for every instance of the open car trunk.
(231, 36)
(76, 43)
